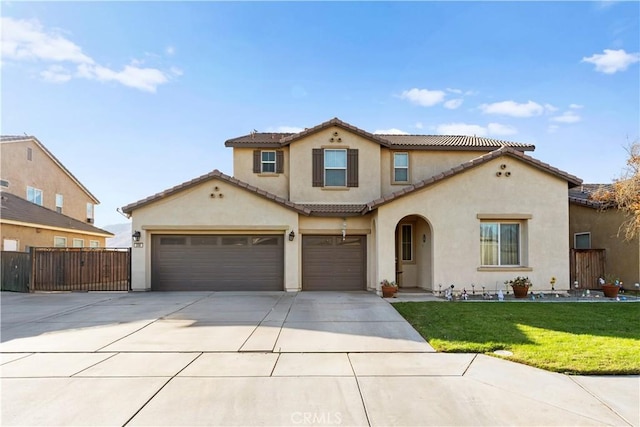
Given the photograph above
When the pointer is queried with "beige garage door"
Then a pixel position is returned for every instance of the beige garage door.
(217, 263)
(332, 264)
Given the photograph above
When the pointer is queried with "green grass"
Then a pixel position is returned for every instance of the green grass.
(575, 338)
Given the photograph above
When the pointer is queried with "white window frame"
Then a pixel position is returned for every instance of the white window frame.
(59, 202)
(396, 167)
(15, 242)
(264, 162)
(89, 211)
(500, 224)
(328, 168)
(77, 243)
(94, 243)
(4, 183)
(404, 244)
(32, 195)
(575, 239)
(59, 242)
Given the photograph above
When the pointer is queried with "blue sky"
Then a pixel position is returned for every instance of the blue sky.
(136, 97)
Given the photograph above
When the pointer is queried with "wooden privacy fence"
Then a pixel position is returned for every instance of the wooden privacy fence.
(16, 270)
(587, 266)
(80, 269)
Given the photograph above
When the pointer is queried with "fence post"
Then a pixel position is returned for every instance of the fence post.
(32, 279)
(129, 269)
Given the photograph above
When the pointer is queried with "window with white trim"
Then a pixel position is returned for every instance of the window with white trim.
(400, 167)
(94, 244)
(59, 242)
(10, 245)
(78, 243)
(335, 168)
(500, 243)
(89, 212)
(34, 195)
(407, 242)
(59, 202)
(582, 240)
(268, 162)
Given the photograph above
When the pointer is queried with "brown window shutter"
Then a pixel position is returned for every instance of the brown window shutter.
(279, 162)
(257, 160)
(318, 167)
(352, 168)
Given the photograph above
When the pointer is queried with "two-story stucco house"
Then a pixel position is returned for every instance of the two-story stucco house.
(43, 203)
(337, 208)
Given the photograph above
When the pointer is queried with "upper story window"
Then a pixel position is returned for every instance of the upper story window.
(4, 183)
(335, 167)
(400, 167)
(29, 153)
(34, 195)
(500, 243)
(59, 202)
(268, 161)
(89, 212)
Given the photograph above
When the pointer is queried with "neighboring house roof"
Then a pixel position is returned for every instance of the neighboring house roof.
(16, 210)
(504, 151)
(25, 138)
(216, 174)
(583, 194)
(403, 142)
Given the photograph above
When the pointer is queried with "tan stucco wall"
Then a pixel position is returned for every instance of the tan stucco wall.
(422, 165)
(41, 173)
(277, 184)
(194, 211)
(622, 257)
(452, 207)
(301, 189)
(41, 237)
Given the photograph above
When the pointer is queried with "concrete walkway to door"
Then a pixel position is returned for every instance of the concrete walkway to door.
(268, 358)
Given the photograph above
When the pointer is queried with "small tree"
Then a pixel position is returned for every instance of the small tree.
(625, 194)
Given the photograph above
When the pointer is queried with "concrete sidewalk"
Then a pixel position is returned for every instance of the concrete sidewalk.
(268, 359)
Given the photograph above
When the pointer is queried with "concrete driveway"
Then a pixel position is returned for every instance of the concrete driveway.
(267, 359)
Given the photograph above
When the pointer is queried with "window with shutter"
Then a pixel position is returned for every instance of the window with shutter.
(335, 167)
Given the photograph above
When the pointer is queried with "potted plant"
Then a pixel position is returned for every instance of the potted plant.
(388, 288)
(520, 286)
(610, 285)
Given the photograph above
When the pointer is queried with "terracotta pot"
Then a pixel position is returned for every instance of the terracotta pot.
(610, 291)
(388, 291)
(520, 291)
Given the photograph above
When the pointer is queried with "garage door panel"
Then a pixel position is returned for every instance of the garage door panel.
(217, 262)
(331, 263)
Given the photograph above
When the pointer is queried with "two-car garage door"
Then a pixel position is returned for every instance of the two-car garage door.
(217, 263)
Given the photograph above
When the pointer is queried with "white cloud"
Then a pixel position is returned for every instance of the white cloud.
(514, 109)
(24, 40)
(170, 50)
(461, 129)
(567, 117)
(612, 61)
(419, 125)
(56, 74)
(452, 104)
(477, 130)
(500, 129)
(550, 108)
(576, 106)
(27, 40)
(456, 91)
(423, 97)
(392, 131)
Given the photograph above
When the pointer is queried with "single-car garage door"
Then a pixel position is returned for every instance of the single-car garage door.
(330, 263)
(217, 263)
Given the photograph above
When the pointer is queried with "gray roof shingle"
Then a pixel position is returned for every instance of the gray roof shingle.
(14, 208)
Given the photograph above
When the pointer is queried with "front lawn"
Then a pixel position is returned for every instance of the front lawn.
(576, 338)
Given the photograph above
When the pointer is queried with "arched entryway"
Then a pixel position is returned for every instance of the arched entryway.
(414, 253)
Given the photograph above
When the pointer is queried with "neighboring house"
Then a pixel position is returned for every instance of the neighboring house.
(33, 175)
(593, 226)
(337, 208)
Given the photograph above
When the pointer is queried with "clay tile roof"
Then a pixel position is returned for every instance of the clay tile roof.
(14, 208)
(583, 194)
(24, 138)
(215, 174)
(405, 142)
(335, 209)
(504, 151)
